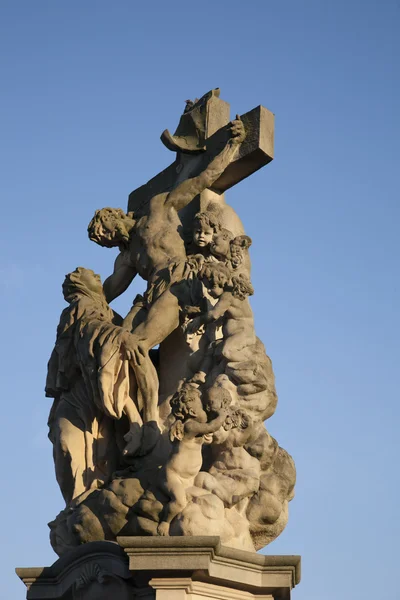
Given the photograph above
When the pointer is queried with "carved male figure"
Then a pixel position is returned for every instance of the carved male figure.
(153, 247)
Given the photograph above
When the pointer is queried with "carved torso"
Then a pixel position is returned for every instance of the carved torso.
(156, 240)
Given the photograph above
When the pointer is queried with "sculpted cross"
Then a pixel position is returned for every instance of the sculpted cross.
(202, 131)
(212, 154)
(158, 419)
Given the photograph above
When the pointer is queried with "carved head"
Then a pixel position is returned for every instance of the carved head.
(241, 287)
(237, 247)
(225, 247)
(216, 277)
(186, 403)
(111, 227)
(82, 281)
(217, 397)
(206, 224)
(220, 246)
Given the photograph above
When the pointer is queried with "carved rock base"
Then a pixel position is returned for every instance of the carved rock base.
(163, 568)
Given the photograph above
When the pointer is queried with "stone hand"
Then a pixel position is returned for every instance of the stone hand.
(133, 441)
(134, 347)
(163, 528)
(194, 325)
(238, 131)
(223, 412)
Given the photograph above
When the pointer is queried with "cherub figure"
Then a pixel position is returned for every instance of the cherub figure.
(231, 311)
(215, 242)
(229, 249)
(188, 434)
(233, 474)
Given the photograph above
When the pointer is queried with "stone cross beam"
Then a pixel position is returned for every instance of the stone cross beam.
(202, 132)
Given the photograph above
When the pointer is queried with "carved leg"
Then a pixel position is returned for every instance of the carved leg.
(147, 388)
(69, 452)
(173, 488)
(162, 319)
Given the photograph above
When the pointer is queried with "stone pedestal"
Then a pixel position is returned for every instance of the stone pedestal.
(163, 568)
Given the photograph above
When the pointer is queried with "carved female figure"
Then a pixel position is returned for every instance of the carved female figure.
(89, 378)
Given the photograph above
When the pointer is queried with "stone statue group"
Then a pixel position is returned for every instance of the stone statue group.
(157, 423)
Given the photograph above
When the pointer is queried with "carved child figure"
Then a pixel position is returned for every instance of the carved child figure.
(233, 474)
(217, 243)
(188, 434)
(232, 311)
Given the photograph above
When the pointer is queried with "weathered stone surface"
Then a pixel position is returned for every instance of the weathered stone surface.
(158, 418)
(163, 568)
(96, 571)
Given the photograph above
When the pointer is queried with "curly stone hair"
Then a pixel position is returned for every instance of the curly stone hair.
(241, 287)
(220, 275)
(216, 273)
(237, 247)
(111, 227)
(209, 218)
(181, 401)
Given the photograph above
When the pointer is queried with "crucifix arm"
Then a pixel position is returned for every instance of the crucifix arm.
(190, 188)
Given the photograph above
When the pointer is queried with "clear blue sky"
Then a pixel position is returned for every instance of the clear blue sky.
(87, 88)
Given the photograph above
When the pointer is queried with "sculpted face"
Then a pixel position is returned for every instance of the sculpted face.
(91, 281)
(106, 235)
(82, 280)
(202, 235)
(214, 400)
(196, 409)
(110, 227)
(220, 246)
(217, 398)
(214, 286)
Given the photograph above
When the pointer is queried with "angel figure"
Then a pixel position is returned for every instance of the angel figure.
(188, 434)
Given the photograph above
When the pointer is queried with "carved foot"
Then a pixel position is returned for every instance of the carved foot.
(163, 528)
(199, 377)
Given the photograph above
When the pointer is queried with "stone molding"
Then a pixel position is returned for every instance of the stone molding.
(208, 560)
(61, 579)
(163, 568)
(186, 588)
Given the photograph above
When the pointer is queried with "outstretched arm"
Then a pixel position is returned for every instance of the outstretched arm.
(195, 428)
(118, 282)
(190, 188)
(211, 315)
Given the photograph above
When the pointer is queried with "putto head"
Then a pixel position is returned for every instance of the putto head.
(241, 287)
(111, 227)
(220, 246)
(238, 246)
(186, 403)
(216, 277)
(205, 226)
(217, 397)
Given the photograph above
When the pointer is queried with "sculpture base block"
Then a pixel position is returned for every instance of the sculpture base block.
(163, 568)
